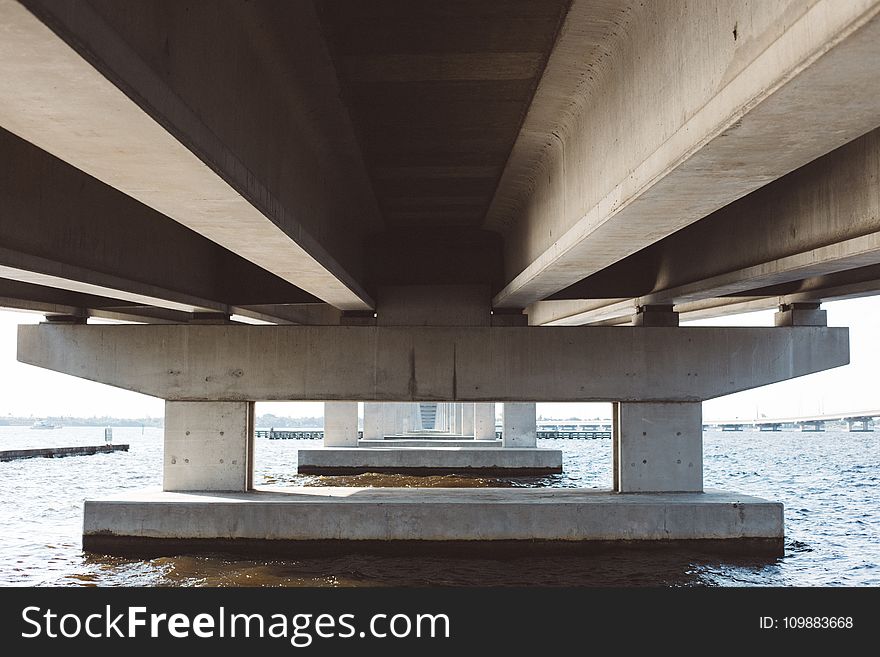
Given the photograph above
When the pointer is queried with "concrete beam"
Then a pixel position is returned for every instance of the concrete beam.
(64, 229)
(351, 363)
(141, 135)
(675, 128)
(849, 284)
(48, 300)
(820, 221)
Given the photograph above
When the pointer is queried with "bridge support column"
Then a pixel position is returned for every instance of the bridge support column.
(658, 447)
(340, 424)
(458, 413)
(519, 425)
(484, 421)
(209, 446)
(467, 419)
(372, 416)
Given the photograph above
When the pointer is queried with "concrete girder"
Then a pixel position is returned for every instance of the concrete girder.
(352, 363)
(817, 220)
(53, 301)
(818, 227)
(154, 302)
(683, 133)
(146, 142)
(848, 284)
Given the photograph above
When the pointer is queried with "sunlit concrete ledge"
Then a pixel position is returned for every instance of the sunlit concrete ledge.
(472, 520)
(430, 460)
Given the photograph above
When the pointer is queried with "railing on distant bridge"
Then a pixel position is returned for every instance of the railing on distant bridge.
(294, 434)
(572, 429)
(545, 431)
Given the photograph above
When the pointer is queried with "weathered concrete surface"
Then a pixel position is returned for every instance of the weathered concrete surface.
(207, 169)
(519, 425)
(432, 442)
(208, 446)
(682, 110)
(660, 447)
(416, 515)
(430, 460)
(426, 364)
(437, 92)
(433, 305)
(341, 424)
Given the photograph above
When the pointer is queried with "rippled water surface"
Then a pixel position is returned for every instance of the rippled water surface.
(829, 483)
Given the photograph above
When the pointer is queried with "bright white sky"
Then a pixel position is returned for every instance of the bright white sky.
(26, 390)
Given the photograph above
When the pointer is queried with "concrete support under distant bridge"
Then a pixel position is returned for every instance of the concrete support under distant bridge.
(431, 438)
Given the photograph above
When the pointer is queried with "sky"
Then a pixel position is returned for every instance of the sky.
(30, 391)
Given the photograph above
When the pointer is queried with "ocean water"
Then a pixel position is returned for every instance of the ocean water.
(829, 483)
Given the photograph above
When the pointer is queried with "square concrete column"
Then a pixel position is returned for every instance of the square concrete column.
(520, 427)
(340, 424)
(209, 446)
(373, 421)
(467, 419)
(484, 421)
(457, 423)
(658, 447)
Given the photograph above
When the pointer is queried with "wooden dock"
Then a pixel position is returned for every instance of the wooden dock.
(58, 452)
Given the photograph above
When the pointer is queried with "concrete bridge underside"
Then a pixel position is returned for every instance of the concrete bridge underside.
(437, 201)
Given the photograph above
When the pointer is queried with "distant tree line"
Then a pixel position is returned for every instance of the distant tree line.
(94, 421)
(270, 421)
(266, 421)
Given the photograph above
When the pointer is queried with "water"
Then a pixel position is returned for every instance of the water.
(829, 483)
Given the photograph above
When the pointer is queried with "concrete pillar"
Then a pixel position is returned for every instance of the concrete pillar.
(457, 413)
(519, 425)
(340, 424)
(467, 419)
(615, 446)
(448, 418)
(484, 421)
(373, 421)
(208, 446)
(659, 447)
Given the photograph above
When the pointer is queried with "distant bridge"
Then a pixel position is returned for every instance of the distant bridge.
(855, 421)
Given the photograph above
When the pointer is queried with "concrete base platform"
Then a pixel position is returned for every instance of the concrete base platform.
(432, 442)
(430, 460)
(474, 520)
